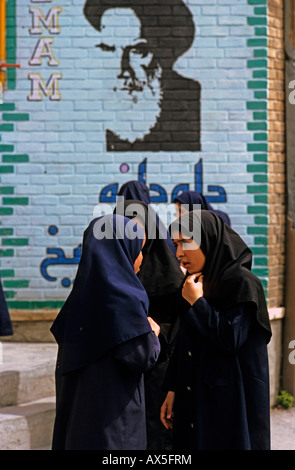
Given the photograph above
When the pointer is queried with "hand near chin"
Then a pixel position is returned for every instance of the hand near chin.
(193, 290)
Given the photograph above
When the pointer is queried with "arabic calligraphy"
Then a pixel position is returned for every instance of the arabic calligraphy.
(109, 193)
(59, 259)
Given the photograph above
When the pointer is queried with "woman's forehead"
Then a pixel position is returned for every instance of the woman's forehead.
(176, 235)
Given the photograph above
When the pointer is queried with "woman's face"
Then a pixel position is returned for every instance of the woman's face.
(138, 261)
(189, 253)
(180, 209)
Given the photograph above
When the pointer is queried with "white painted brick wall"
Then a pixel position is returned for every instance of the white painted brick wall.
(65, 140)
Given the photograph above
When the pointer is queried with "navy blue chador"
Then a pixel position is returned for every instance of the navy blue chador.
(161, 277)
(105, 344)
(193, 197)
(138, 191)
(219, 369)
(5, 321)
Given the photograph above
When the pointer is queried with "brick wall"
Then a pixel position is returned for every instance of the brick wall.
(209, 129)
(276, 114)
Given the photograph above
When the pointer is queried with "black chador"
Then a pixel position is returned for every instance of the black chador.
(105, 344)
(219, 368)
(161, 277)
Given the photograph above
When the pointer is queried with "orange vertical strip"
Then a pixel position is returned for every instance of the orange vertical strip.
(2, 40)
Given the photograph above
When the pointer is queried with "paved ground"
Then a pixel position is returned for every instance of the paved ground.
(283, 429)
(282, 421)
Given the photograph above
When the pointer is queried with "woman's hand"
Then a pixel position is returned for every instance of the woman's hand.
(192, 290)
(167, 410)
(154, 326)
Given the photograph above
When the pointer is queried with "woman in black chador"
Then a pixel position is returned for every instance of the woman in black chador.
(218, 377)
(5, 321)
(161, 276)
(106, 342)
(185, 202)
(138, 191)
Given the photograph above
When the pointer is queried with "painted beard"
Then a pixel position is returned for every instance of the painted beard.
(134, 97)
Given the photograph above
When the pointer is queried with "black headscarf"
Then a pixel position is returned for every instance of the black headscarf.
(108, 304)
(160, 272)
(138, 191)
(193, 197)
(135, 190)
(228, 279)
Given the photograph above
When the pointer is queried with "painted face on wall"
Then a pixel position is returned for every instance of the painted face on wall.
(130, 87)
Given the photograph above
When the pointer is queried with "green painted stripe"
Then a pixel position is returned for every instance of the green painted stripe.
(6, 148)
(15, 201)
(6, 190)
(260, 11)
(256, 63)
(252, 168)
(257, 147)
(257, 126)
(7, 107)
(257, 42)
(257, 230)
(259, 250)
(7, 273)
(260, 272)
(258, 136)
(15, 241)
(6, 231)
(259, 261)
(6, 127)
(260, 74)
(9, 294)
(257, 209)
(260, 157)
(257, 188)
(260, 178)
(11, 43)
(254, 105)
(6, 252)
(16, 283)
(260, 53)
(260, 116)
(261, 219)
(260, 31)
(257, 2)
(257, 21)
(261, 198)
(6, 211)
(16, 117)
(257, 84)
(22, 158)
(6, 169)
(261, 240)
(33, 304)
(260, 94)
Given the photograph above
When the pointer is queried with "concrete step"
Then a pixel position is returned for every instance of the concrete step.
(26, 372)
(27, 426)
(27, 395)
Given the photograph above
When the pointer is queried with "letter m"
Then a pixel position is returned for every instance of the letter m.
(50, 89)
(50, 22)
